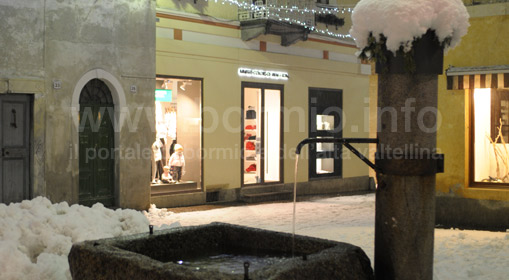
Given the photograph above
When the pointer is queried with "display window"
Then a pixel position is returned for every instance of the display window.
(325, 108)
(176, 151)
(261, 133)
(490, 137)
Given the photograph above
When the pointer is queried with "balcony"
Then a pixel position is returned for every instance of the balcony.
(293, 20)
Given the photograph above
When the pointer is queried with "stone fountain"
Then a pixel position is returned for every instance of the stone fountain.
(189, 253)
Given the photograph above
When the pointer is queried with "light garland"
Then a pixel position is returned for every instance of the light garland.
(275, 11)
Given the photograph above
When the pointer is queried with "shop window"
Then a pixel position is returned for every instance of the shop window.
(178, 124)
(500, 116)
(324, 165)
(261, 135)
(325, 107)
(324, 122)
(490, 133)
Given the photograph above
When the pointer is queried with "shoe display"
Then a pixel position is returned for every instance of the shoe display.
(252, 137)
(251, 168)
(247, 136)
(250, 146)
(252, 127)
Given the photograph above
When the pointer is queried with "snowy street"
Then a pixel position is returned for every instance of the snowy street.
(459, 254)
(36, 236)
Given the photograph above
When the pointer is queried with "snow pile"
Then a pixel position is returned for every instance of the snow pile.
(402, 21)
(162, 216)
(36, 236)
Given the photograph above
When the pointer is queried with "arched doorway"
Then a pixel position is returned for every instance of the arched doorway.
(96, 145)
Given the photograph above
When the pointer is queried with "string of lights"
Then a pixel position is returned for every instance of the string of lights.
(292, 14)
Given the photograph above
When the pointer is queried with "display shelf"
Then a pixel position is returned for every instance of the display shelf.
(250, 129)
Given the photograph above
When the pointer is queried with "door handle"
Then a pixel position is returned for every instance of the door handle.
(4, 152)
(13, 119)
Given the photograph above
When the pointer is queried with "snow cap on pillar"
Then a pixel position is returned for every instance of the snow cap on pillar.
(390, 28)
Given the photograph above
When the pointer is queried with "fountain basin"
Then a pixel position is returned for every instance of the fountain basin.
(190, 253)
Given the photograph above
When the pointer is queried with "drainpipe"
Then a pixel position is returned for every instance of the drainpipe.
(406, 154)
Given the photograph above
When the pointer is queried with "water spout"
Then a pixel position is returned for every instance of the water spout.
(345, 142)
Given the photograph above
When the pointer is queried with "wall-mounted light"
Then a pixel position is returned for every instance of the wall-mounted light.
(167, 84)
(184, 84)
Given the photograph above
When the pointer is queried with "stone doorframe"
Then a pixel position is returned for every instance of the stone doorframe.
(120, 106)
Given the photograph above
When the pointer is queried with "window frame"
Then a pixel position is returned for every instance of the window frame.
(263, 87)
(471, 144)
(337, 153)
(201, 138)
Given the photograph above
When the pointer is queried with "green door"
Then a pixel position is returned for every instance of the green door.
(96, 145)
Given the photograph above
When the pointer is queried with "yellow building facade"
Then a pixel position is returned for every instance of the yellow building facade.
(207, 57)
(472, 192)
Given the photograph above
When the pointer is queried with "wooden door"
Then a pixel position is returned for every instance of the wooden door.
(15, 147)
(96, 145)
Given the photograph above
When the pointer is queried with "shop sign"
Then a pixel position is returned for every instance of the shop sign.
(263, 74)
(163, 95)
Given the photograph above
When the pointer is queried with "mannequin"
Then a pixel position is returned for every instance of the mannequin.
(163, 153)
(157, 165)
(166, 175)
(177, 163)
(172, 146)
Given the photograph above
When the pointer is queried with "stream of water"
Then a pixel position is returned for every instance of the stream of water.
(233, 263)
(294, 203)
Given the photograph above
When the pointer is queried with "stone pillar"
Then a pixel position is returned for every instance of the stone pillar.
(405, 197)
(406, 155)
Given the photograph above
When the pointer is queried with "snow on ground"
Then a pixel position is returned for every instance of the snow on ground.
(36, 236)
(459, 254)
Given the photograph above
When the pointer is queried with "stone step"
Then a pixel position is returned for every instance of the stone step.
(164, 189)
(267, 196)
(262, 189)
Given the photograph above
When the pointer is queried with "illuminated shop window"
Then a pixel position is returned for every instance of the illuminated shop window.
(178, 128)
(491, 136)
(262, 133)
